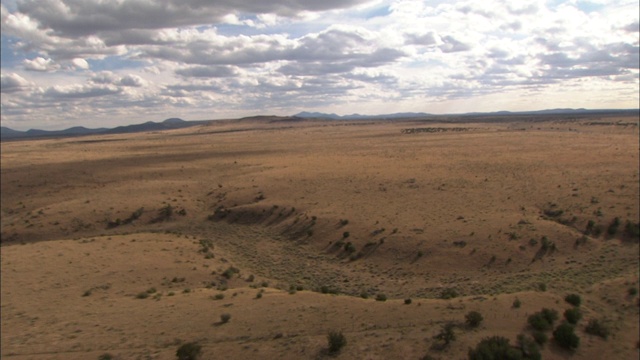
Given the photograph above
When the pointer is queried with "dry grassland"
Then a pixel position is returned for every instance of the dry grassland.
(131, 245)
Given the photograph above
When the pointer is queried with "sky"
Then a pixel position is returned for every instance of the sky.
(106, 63)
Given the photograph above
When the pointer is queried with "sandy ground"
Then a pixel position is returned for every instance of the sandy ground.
(202, 220)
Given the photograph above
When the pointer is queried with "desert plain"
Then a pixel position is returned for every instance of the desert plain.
(128, 246)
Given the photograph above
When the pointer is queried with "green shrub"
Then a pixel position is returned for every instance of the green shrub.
(219, 296)
(528, 348)
(632, 291)
(613, 226)
(540, 337)
(381, 297)
(345, 234)
(573, 315)
(446, 334)
(565, 336)
(473, 319)
(142, 295)
(105, 356)
(595, 327)
(449, 293)
(189, 351)
(364, 295)
(543, 320)
(336, 341)
(224, 318)
(407, 301)
(573, 299)
(517, 303)
(495, 347)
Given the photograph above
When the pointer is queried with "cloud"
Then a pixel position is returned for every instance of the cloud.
(70, 92)
(207, 71)
(71, 18)
(80, 63)
(12, 82)
(40, 64)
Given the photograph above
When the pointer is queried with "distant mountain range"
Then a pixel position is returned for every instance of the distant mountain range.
(407, 115)
(169, 124)
(176, 123)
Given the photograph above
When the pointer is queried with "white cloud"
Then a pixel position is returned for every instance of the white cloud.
(80, 63)
(244, 56)
(12, 82)
(40, 64)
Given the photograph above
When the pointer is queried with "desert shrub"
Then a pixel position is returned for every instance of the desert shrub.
(595, 327)
(613, 226)
(449, 293)
(364, 295)
(259, 295)
(540, 337)
(407, 301)
(573, 299)
(381, 297)
(219, 296)
(344, 222)
(348, 247)
(142, 295)
(230, 271)
(632, 230)
(542, 287)
(632, 291)
(565, 336)
(446, 334)
(517, 303)
(189, 351)
(495, 347)
(589, 229)
(224, 318)
(336, 341)
(573, 315)
(543, 320)
(529, 348)
(105, 356)
(250, 278)
(473, 318)
(345, 234)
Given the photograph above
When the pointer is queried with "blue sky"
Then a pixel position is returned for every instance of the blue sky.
(104, 63)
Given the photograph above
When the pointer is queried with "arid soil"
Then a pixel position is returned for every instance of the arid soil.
(132, 245)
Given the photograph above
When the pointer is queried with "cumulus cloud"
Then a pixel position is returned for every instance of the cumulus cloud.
(12, 82)
(85, 17)
(75, 91)
(40, 64)
(285, 54)
(80, 63)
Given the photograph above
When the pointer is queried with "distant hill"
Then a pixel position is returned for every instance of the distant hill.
(319, 115)
(407, 115)
(168, 124)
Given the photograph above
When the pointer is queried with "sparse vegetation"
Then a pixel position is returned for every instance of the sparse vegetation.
(597, 328)
(495, 347)
(189, 351)
(573, 315)
(565, 336)
(543, 320)
(448, 293)
(446, 335)
(516, 303)
(473, 319)
(381, 297)
(336, 341)
(224, 318)
(573, 299)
